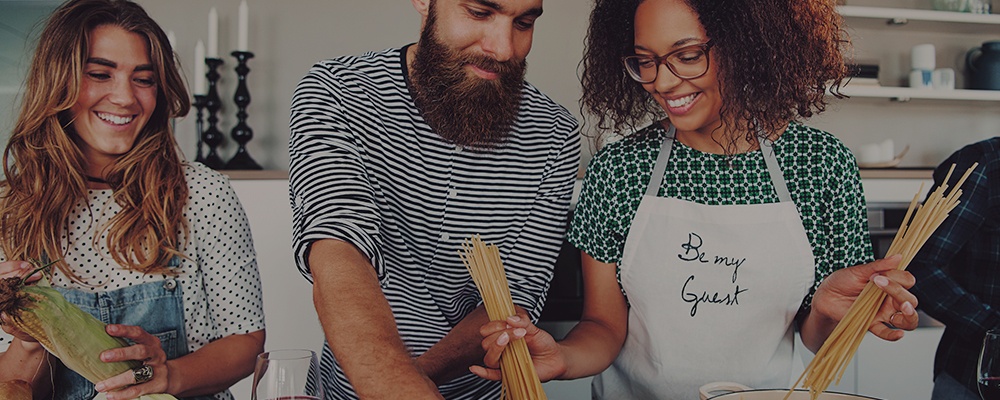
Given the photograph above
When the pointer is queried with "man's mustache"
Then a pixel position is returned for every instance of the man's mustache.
(485, 63)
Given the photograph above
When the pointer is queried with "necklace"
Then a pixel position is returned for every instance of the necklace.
(95, 179)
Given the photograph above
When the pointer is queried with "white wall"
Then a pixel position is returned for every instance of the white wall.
(289, 314)
(18, 29)
(289, 36)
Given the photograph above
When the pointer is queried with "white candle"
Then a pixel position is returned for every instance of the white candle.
(244, 14)
(172, 39)
(213, 33)
(199, 68)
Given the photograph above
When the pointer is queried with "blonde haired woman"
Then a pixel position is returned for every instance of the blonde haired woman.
(158, 248)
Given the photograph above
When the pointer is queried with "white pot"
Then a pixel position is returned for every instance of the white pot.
(736, 391)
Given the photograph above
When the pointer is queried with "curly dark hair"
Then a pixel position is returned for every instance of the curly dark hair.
(775, 60)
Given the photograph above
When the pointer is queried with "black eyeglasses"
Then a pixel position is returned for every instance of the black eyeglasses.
(688, 62)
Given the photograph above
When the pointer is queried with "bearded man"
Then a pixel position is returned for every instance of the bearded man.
(398, 156)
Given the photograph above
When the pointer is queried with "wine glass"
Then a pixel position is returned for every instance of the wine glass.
(287, 375)
(988, 373)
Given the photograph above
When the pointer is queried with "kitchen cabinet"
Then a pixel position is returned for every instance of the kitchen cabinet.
(898, 370)
(886, 370)
(934, 123)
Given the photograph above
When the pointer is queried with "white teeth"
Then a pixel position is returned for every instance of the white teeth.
(114, 119)
(681, 102)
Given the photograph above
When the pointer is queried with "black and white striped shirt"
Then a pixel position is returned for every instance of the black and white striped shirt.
(366, 169)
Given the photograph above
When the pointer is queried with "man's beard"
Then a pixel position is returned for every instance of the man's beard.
(465, 110)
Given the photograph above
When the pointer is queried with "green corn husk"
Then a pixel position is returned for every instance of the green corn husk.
(66, 331)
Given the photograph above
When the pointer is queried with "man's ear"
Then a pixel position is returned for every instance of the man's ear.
(422, 6)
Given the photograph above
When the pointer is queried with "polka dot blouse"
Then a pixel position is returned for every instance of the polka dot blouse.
(219, 277)
(820, 172)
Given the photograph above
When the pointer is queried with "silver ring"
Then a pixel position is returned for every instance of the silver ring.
(893, 324)
(142, 374)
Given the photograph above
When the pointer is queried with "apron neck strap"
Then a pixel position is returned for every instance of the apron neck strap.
(766, 149)
(656, 179)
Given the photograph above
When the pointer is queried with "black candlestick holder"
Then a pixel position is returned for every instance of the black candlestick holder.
(242, 133)
(212, 137)
(199, 127)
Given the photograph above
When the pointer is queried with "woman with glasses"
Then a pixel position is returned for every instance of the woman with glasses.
(714, 232)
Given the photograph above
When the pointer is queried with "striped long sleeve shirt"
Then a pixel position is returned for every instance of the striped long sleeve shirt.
(366, 169)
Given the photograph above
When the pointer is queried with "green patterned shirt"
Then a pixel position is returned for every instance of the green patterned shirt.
(821, 174)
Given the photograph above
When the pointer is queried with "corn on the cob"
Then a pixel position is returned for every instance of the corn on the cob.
(66, 331)
(15, 390)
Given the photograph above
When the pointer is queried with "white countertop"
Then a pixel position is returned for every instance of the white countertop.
(880, 185)
(895, 190)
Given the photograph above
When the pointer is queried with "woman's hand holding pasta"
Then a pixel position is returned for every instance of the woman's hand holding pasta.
(881, 301)
(837, 294)
(518, 377)
(545, 353)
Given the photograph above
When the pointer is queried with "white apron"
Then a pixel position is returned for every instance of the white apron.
(713, 291)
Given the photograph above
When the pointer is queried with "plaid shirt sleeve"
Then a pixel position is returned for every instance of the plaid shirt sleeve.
(958, 269)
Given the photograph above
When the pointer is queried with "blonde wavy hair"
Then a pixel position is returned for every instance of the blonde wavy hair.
(45, 169)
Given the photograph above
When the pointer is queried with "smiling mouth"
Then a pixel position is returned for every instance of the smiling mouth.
(681, 102)
(484, 73)
(114, 119)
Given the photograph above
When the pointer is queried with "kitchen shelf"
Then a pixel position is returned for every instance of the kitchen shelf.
(905, 93)
(898, 16)
(913, 20)
(896, 173)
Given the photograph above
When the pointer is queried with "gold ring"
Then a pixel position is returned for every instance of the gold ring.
(894, 316)
(142, 374)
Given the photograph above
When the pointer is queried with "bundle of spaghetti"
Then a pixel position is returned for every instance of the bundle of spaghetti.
(518, 376)
(837, 351)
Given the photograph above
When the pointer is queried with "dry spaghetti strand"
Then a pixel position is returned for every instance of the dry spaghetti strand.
(919, 223)
(518, 376)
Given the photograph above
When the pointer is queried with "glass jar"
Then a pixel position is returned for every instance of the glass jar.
(980, 6)
(951, 5)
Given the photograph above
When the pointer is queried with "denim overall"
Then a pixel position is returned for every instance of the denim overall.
(157, 307)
